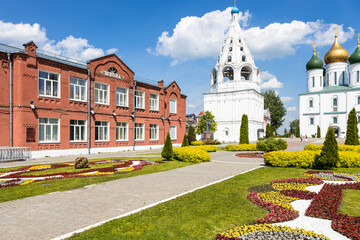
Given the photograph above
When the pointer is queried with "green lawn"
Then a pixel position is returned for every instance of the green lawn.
(42, 187)
(198, 215)
(350, 202)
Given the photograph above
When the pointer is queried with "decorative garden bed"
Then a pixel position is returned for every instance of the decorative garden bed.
(250, 155)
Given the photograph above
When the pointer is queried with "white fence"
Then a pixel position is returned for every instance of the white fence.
(14, 153)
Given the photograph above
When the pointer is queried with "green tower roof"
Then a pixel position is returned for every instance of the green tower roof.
(314, 63)
(355, 57)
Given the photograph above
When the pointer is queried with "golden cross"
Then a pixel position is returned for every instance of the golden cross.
(358, 38)
(234, 2)
(318, 53)
(336, 27)
(314, 44)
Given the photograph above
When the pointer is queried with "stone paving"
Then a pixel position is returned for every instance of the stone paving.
(51, 215)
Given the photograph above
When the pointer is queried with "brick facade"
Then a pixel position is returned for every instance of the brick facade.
(26, 91)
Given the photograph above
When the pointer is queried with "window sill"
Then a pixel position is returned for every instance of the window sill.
(44, 96)
(122, 140)
(98, 141)
(139, 108)
(154, 110)
(139, 140)
(154, 139)
(77, 100)
(122, 106)
(45, 142)
(173, 139)
(106, 104)
(84, 141)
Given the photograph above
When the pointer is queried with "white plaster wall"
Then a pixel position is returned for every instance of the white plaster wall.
(318, 77)
(353, 68)
(339, 68)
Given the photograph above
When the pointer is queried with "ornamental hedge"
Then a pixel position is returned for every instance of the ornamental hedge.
(197, 143)
(271, 144)
(314, 147)
(241, 147)
(191, 154)
(306, 158)
(207, 148)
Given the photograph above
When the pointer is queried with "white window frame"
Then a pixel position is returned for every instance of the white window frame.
(82, 89)
(48, 126)
(81, 128)
(124, 128)
(104, 131)
(357, 100)
(311, 119)
(173, 132)
(334, 120)
(154, 102)
(122, 96)
(139, 99)
(139, 131)
(52, 81)
(154, 132)
(99, 91)
(174, 102)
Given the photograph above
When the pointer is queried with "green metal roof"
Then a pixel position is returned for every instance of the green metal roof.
(355, 57)
(333, 89)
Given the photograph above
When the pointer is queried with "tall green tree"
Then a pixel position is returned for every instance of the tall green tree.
(277, 110)
(244, 130)
(185, 141)
(191, 134)
(206, 117)
(352, 132)
(167, 151)
(318, 133)
(329, 155)
(295, 127)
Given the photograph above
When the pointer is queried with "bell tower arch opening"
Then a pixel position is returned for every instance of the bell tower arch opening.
(228, 73)
(246, 73)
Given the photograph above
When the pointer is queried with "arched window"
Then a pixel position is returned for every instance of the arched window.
(214, 76)
(231, 41)
(230, 49)
(229, 58)
(335, 78)
(243, 58)
(311, 121)
(241, 49)
(313, 81)
(358, 76)
(239, 40)
(228, 73)
(311, 103)
(343, 78)
(112, 70)
(245, 73)
(335, 120)
(327, 79)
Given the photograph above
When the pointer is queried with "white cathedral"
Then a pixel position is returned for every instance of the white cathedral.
(235, 88)
(332, 92)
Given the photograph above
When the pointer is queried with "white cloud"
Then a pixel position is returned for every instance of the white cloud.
(292, 109)
(16, 34)
(269, 81)
(201, 37)
(191, 105)
(286, 99)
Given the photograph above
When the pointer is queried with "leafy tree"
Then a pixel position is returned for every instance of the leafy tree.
(201, 126)
(167, 151)
(191, 134)
(185, 141)
(273, 102)
(329, 155)
(270, 131)
(297, 132)
(318, 132)
(294, 125)
(352, 132)
(244, 130)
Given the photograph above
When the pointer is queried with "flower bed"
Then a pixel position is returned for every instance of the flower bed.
(333, 176)
(241, 147)
(250, 155)
(265, 231)
(325, 205)
(17, 176)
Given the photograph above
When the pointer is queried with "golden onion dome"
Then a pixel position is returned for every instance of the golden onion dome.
(336, 53)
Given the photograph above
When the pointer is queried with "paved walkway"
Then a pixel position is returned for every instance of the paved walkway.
(52, 215)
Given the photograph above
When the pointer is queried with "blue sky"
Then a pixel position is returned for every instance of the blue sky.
(180, 40)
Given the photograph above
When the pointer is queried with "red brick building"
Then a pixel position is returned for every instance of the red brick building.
(58, 106)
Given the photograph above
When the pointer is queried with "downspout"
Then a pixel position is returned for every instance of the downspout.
(89, 112)
(134, 130)
(11, 103)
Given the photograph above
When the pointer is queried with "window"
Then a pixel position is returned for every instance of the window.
(311, 121)
(173, 132)
(172, 106)
(239, 40)
(154, 102)
(112, 70)
(241, 49)
(358, 76)
(229, 58)
(139, 131)
(30, 134)
(313, 81)
(48, 84)
(122, 131)
(101, 131)
(335, 102)
(335, 78)
(335, 120)
(231, 41)
(77, 89)
(77, 130)
(101, 93)
(343, 77)
(122, 96)
(358, 119)
(139, 99)
(358, 100)
(230, 49)
(243, 58)
(49, 129)
(311, 103)
(154, 131)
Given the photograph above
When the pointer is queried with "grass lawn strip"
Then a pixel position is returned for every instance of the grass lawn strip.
(350, 202)
(48, 186)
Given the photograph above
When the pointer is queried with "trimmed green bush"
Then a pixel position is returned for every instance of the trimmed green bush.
(318, 133)
(185, 141)
(271, 144)
(207, 148)
(352, 132)
(329, 155)
(167, 151)
(81, 162)
(244, 130)
(197, 143)
(191, 154)
(191, 134)
(241, 147)
(211, 142)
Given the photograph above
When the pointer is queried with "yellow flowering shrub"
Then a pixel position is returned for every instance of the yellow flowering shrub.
(197, 143)
(342, 147)
(290, 186)
(277, 198)
(208, 148)
(191, 154)
(241, 147)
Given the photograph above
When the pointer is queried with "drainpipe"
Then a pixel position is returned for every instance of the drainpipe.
(134, 116)
(89, 113)
(11, 107)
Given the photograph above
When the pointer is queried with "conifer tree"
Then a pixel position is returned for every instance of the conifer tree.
(244, 130)
(167, 151)
(185, 141)
(191, 134)
(329, 155)
(352, 132)
(297, 132)
(318, 132)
